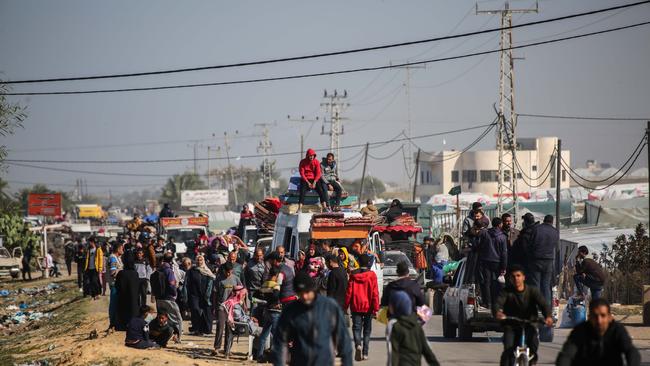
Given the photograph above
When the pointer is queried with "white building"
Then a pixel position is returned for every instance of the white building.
(477, 171)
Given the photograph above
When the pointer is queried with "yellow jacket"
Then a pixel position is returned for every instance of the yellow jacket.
(99, 260)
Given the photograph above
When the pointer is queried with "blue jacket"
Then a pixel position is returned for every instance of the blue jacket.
(493, 247)
(544, 243)
(317, 331)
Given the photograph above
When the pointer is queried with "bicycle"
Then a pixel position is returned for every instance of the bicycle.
(522, 353)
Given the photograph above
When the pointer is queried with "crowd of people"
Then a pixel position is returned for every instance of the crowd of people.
(306, 304)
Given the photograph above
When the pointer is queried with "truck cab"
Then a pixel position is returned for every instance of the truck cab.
(184, 230)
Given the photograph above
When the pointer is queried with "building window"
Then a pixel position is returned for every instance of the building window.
(422, 177)
(519, 176)
(454, 176)
(564, 175)
(428, 177)
(489, 175)
(469, 176)
(534, 167)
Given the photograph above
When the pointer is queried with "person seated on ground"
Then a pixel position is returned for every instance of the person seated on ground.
(137, 331)
(521, 301)
(160, 331)
(599, 341)
(310, 175)
(370, 210)
(588, 274)
(394, 211)
(330, 178)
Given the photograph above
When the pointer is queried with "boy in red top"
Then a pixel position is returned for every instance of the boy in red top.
(310, 174)
(362, 298)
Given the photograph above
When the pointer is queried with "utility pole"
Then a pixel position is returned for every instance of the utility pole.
(415, 173)
(335, 105)
(558, 184)
(232, 177)
(647, 146)
(363, 174)
(409, 125)
(302, 120)
(507, 118)
(265, 147)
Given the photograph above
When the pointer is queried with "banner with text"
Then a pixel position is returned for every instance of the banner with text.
(211, 197)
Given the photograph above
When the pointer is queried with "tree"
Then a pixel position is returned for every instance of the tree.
(12, 116)
(7, 202)
(372, 187)
(15, 232)
(171, 192)
(628, 264)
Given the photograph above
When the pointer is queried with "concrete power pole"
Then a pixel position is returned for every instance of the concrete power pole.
(335, 105)
(232, 176)
(265, 147)
(507, 118)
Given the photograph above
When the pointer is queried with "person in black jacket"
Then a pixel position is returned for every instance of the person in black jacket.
(493, 256)
(337, 280)
(404, 283)
(588, 274)
(598, 341)
(523, 302)
(314, 323)
(541, 257)
(137, 331)
(519, 249)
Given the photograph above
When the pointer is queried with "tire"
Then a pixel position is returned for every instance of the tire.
(437, 302)
(546, 334)
(522, 360)
(465, 332)
(448, 329)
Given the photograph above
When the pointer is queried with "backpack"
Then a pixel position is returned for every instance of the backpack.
(158, 284)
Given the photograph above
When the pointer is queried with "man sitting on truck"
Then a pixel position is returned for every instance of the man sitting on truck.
(523, 302)
(330, 178)
(310, 175)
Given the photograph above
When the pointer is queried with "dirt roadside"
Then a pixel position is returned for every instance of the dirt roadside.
(62, 336)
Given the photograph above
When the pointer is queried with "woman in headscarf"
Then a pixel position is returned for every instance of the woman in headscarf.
(301, 262)
(127, 284)
(199, 281)
(348, 262)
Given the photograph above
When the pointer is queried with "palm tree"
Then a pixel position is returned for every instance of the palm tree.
(171, 192)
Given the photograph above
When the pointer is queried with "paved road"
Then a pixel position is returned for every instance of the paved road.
(485, 349)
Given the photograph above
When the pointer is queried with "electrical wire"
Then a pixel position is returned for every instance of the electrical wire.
(89, 185)
(377, 143)
(327, 54)
(387, 156)
(328, 73)
(87, 171)
(583, 117)
(548, 165)
(615, 173)
(353, 166)
(568, 170)
(539, 184)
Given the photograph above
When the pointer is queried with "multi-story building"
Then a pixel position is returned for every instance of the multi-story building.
(477, 171)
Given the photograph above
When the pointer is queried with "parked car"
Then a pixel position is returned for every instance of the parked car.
(461, 312)
(10, 263)
(390, 260)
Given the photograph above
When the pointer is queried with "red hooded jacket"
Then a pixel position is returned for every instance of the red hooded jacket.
(310, 169)
(363, 292)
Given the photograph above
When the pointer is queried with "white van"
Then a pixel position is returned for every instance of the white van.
(292, 231)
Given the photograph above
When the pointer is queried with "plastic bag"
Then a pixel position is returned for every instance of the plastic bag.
(382, 315)
(450, 266)
(424, 313)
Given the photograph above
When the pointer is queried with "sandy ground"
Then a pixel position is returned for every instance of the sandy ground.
(65, 338)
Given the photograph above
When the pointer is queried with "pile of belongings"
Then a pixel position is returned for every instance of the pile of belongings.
(293, 189)
(266, 212)
(404, 220)
(360, 221)
(328, 219)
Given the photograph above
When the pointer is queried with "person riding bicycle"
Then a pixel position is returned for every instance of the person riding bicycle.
(521, 301)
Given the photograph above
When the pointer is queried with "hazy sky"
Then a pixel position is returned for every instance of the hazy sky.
(604, 75)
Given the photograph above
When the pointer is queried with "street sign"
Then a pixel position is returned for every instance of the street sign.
(44, 204)
(207, 197)
(455, 191)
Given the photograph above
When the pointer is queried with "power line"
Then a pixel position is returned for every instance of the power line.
(568, 169)
(87, 171)
(384, 142)
(583, 117)
(326, 54)
(89, 185)
(329, 73)
(543, 172)
(539, 184)
(387, 156)
(615, 173)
